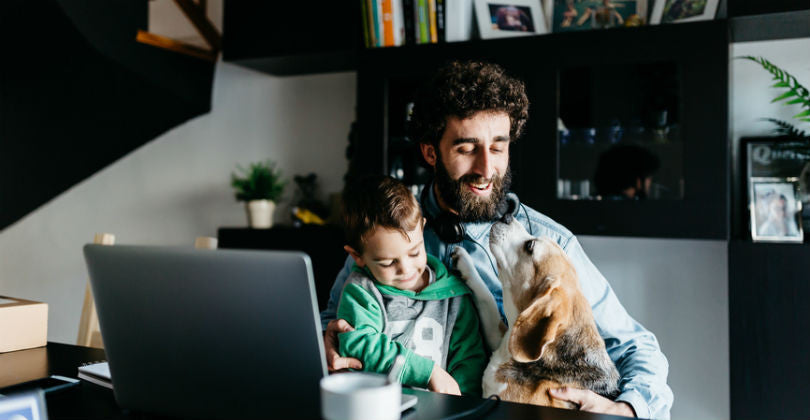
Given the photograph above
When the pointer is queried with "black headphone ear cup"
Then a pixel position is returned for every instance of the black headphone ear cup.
(449, 228)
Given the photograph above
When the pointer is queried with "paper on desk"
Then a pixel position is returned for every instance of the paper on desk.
(97, 373)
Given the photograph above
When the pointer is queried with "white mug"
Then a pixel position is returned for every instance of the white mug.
(360, 396)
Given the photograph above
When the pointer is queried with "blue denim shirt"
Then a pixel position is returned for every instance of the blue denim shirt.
(634, 350)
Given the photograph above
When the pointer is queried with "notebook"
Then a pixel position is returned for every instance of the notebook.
(97, 373)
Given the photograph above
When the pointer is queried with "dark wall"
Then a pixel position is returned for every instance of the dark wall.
(77, 92)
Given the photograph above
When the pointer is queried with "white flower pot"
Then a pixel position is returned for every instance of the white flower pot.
(260, 213)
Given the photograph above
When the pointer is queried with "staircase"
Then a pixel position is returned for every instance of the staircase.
(78, 92)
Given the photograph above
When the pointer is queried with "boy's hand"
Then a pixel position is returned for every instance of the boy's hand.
(330, 343)
(441, 381)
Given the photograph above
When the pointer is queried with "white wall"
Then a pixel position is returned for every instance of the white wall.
(752, 94)
(177, 186)
(678, 289)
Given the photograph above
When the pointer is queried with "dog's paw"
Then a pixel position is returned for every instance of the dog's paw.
(463, 263)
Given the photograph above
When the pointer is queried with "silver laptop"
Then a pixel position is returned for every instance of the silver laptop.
(210, 334)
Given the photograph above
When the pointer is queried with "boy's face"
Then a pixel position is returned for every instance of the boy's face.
(393, 259)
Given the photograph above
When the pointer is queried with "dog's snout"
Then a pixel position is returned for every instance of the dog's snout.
(507, 208)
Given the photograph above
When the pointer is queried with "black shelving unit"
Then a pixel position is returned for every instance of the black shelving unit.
(699, 50)
(277, 38)
(771, 26)
(769, 287)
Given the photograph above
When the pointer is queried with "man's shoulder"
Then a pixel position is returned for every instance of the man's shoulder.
(542, 225)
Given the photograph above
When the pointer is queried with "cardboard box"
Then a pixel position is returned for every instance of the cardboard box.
(23, 324)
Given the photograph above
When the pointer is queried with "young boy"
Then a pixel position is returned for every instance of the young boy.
(402, 301)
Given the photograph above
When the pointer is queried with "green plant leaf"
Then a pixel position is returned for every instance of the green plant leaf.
(785, 95)
(795, 101)
(802, 114)
(780, 85)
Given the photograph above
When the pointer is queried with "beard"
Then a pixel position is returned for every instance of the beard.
(471, 207)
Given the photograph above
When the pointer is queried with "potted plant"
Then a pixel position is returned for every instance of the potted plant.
(259, 186)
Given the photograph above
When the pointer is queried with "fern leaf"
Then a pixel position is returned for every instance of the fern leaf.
(802, 114)
(784, 128)
(785, 95)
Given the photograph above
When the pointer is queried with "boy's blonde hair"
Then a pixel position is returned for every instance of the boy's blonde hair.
(378, 201)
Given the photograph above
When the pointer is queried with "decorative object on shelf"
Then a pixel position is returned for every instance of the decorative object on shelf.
(795, 92)
(509, 18)
(259, 186)
(788, 155)
(679, 11)
(780, 158)
(577, 15)
(308, 209)
(775, 210)
(459, 20)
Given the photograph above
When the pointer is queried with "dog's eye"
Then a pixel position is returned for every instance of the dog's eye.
(529, 246)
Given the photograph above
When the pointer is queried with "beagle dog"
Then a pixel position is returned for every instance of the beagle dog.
(551, 340)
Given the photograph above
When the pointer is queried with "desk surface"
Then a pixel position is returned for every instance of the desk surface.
(89, 401)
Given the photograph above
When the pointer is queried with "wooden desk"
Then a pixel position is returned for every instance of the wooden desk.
(89, 401)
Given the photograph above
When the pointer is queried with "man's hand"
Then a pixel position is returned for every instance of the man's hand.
(593, 402)
(441, 381)
(334, 362)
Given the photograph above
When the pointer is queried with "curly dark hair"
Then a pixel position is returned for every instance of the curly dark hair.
(462, 88)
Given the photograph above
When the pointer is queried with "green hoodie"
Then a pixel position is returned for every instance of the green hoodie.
(437, 325)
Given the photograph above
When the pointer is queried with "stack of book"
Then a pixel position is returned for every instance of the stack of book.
(389, 23)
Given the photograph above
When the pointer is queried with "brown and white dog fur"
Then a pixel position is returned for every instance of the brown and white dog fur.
(552, 339)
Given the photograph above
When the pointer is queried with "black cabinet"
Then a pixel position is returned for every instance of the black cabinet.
(769, 287)
(285, 38)
(686, 71)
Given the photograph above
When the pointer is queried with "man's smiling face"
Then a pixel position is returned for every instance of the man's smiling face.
(472, 164)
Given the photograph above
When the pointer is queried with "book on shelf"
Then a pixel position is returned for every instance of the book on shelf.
(387, 8)
(97, 373)
(434, 36)
(409, 18)
(458, 20)
(408, 22)
(440, 20)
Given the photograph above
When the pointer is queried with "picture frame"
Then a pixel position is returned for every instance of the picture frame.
(775, 210)
(779, 157)
(578, 15)
(509, 18)
(680, 11)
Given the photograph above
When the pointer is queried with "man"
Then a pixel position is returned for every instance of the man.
(465, 119)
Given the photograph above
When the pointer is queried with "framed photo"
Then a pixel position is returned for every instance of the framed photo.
(577, 15)
(508, 18)
(775, 210)
(779, 157)
(677, 11)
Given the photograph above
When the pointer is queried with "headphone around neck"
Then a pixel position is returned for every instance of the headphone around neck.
(449, 227)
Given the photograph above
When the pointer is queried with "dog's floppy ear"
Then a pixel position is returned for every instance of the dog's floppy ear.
(536, 327)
